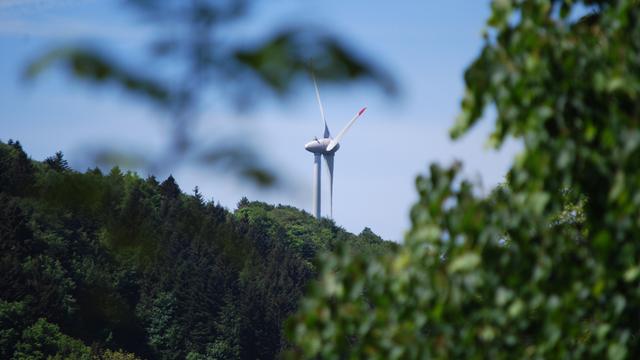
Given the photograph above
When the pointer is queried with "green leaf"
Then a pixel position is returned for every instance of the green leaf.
(464, 262)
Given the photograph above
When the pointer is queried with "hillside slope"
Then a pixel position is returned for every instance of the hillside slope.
(97, 265)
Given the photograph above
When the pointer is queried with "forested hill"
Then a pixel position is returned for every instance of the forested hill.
(114, 266)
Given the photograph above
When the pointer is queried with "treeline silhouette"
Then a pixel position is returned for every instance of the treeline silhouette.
(114, 266)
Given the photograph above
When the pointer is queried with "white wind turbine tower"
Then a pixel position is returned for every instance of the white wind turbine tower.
(327, 147)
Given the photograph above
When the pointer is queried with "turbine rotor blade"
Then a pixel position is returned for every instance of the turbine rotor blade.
(324, 120)
(328, 158)
(337, 139)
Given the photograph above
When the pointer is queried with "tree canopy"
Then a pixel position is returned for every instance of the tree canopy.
(546, 266)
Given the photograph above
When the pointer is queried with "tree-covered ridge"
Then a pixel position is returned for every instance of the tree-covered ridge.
(114, 266)
(306, 234)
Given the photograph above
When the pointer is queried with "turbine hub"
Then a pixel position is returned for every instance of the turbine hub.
(319, 146)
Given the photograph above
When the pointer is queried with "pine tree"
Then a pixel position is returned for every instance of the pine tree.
(16, 171)
(169, 188)
(57, 162)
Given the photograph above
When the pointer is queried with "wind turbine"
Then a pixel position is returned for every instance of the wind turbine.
(325, 147)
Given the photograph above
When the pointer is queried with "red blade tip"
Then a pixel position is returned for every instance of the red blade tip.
(362, 111)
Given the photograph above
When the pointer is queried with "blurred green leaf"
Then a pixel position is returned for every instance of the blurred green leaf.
(291, 52)
(190, 36)
(95, 67)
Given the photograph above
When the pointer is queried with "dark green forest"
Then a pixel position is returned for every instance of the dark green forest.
(116, 266)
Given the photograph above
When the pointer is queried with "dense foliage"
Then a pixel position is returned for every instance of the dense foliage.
(546, 266)
(113, 266)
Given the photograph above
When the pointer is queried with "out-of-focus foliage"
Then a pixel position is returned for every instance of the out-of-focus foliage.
(112, 266)
(194, 56)
(93, 66)
(547, 265)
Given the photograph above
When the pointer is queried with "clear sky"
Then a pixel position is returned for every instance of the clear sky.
(425, 45)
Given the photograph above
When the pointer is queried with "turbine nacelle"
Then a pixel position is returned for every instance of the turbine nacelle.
(319, 146)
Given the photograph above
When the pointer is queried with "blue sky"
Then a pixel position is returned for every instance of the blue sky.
(425, 45)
